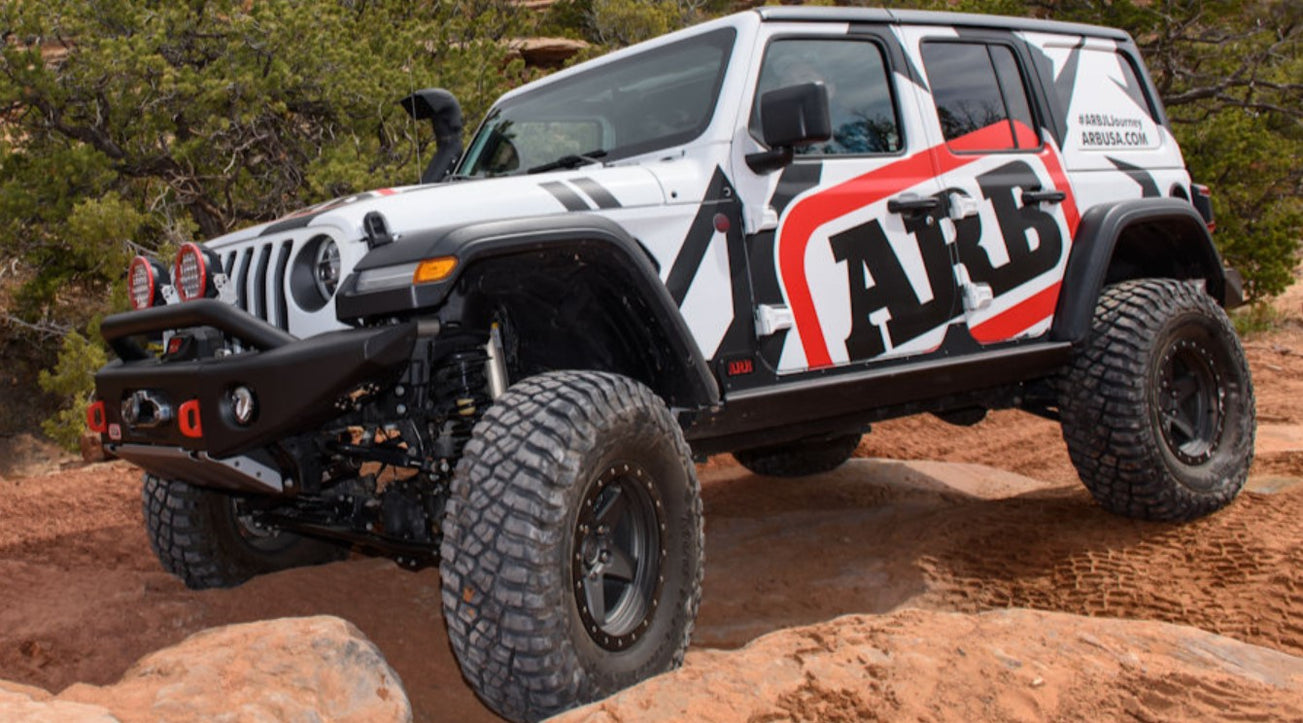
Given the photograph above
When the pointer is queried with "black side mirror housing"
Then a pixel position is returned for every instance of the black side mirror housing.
(796, 115)
(444, 113)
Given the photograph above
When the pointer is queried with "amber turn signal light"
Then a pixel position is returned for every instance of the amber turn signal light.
(434, 269)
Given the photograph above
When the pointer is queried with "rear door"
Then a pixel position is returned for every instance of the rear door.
(1011, 213)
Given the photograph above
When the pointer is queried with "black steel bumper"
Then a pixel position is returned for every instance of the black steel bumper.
(298, 384)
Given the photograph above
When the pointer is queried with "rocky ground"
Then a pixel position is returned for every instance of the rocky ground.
(984, 518)
(288, 669)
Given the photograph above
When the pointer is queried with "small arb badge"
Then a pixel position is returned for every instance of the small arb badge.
(739, 367)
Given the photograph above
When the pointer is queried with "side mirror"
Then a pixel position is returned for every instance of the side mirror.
(444, 113)
(793, 116)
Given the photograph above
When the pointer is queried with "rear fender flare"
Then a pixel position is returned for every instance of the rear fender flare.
(1142, 237)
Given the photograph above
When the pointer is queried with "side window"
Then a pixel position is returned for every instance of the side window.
(980, 98)
(864, 118)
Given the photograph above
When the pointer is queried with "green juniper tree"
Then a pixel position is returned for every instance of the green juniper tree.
(133, 125)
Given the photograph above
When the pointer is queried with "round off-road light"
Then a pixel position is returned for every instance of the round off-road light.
(243, 405)
(145, 278)
(191, 272)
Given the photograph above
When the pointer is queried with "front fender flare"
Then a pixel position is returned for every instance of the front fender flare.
(584, 236)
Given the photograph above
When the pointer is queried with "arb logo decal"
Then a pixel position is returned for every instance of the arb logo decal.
(885, 309)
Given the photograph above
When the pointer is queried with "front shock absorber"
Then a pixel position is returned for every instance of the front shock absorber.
(461, 386)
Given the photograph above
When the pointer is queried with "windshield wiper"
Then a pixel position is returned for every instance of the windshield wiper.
(571, 161)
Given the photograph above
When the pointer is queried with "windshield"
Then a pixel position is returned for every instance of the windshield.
(649, 101)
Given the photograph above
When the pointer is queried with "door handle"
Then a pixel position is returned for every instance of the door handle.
(1035, 196)
(912, 205)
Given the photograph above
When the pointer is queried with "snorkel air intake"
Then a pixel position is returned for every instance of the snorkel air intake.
(444, 112)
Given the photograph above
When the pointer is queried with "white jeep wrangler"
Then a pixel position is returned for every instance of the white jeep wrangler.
(758, 235)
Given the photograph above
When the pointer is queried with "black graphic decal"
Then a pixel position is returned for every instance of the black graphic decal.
(289, 224)
(1148, 187)
(1067, 79)
(1134, 92)
(302, 218)
(740, 337)
(562, 193)
(912, 73)
(698, 239)
(797, 178)
(1017, 221)
(900, 61)
(595, 191)
(1061, 85)
(877, 281)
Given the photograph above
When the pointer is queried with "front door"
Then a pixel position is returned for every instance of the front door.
(863, 268)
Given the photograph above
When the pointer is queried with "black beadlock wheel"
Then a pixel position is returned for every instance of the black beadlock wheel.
(618, 556)
(572, 544)
(1157, 406)
(206, 537)
(800, 458)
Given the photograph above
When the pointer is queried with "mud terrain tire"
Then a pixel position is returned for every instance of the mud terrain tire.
(199, 537)
(801, 458)
(572, 544)
(1157, 407)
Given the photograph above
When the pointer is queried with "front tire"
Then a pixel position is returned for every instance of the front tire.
(572, 544)
(202, 536)
(1157, 407)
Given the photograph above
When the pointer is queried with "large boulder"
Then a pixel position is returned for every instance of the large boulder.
(317, 668)
(1000, 665)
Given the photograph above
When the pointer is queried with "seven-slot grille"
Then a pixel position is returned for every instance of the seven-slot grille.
(258, 274)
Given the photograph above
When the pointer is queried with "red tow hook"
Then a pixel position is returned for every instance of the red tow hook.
(187, 419)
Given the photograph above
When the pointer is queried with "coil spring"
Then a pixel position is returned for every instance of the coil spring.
(461, 387)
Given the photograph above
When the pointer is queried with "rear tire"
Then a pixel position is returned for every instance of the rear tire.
(201, 537)
(1157, 407)
(800, 458)
(572, 544)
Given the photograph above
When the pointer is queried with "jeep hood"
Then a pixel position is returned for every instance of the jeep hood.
(412, 208)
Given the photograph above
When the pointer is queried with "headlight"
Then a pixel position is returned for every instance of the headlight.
(385, 277)
(145, 281)
(193, 272)
(416, 272)
(325, 270)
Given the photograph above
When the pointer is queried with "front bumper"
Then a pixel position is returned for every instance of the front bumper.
(298, 384)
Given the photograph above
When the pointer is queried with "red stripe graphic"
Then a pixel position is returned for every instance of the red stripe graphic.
(1054, 165)
(1018, 319)
(811, 212)
(1026, 314)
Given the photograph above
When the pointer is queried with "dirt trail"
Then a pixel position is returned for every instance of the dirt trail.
(83, 597)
